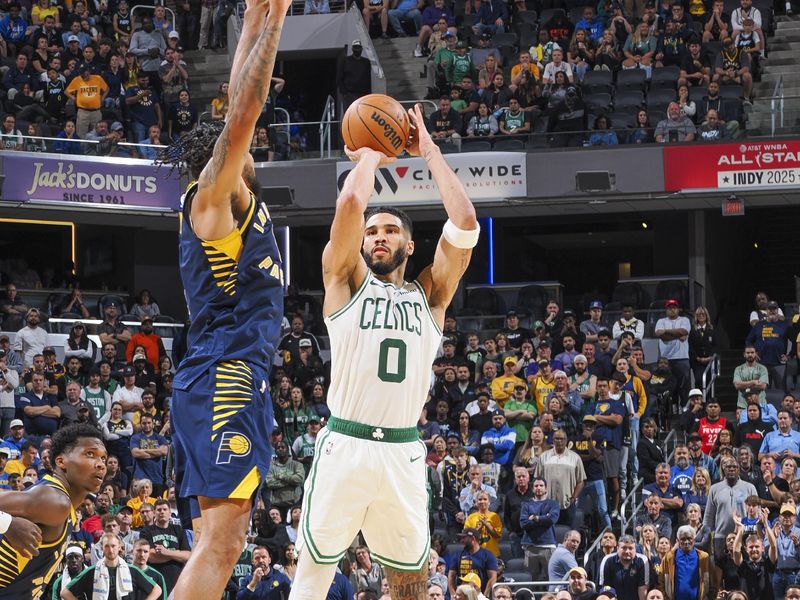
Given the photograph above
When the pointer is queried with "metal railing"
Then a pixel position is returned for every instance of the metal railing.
(777, 99)
(328, 116)
(529, 586)
(623, 508)
(709, 379)
(43, 138)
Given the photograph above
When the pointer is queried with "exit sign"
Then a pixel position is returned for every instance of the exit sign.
(733, 207)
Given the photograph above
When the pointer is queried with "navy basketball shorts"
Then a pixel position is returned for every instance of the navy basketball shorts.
(222, 423)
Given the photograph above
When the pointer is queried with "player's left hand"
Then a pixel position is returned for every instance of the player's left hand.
(419, 139)
(24, 536)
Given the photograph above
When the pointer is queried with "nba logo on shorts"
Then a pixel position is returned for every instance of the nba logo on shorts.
(232, 445)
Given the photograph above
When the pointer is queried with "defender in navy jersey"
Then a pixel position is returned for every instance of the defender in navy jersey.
(79, 457)
(233, 279)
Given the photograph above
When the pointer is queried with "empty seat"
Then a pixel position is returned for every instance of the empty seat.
(486, 300)
(549, 13)
(448, 147)
(504, 39)
(505, 549)
(598, 81)
(665, 76)
(598, 103)
(475, 145)
(515, 564)
(656, 116)
(528, 16)
(631, 79)
(631, 292)
(518, 576)
(534, 299)
(697, 92)
(628, 99)
(731, 91)
(658, 97)
(509, 145)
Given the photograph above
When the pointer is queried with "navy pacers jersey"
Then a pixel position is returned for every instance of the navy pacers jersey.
(22, 578)
(234, 291)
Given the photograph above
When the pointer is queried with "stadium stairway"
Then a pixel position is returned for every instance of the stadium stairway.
(207, 69)
(783, 60)
(401, 69)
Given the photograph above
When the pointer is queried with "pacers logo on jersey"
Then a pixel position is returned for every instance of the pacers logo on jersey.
(232, 445)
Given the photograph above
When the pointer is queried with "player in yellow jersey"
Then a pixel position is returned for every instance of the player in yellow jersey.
(79, 461)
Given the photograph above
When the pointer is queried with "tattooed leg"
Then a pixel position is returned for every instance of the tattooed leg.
(408, 585)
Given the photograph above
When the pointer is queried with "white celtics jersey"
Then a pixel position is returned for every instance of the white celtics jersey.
(383, 342)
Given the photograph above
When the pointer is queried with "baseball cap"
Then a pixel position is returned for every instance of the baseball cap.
(128, 370)
(461, 44)
(115, 126)
(498, 412)
(568, 313)
(114, 303)
(788, 508)
(751, 391)
(580, 570)
(511, 313)
(16, 423)
(595, 304)
(28, 481)
(520, 386)
(30, 311)
(304, 343)
(509, 360)
(355, 43)
(695, 392)
(472, 578)
(6, 451)
(139, 357)
(448, 34)
(125, 507)
(538, 325)
(313, 419)
(608, 591)
(486, 35)
(174, 34)
(48, 350)
(74, 550)
(672, 301)
(772, 304)
(73, 38)
(589, 419)
(544, 344)
(471, 531)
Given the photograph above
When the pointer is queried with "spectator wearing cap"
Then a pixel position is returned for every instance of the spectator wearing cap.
(787, 540)
(149, 340)
(610, 413)
(307, 367)
(769, 337)
(354, 76)
(471, 586)
(594, 324)
(174, 74)
(31, 339)
(303, 447)
(513, 332)
(9, 381)
(503, 385)
(578, 586)
(626, 572)
(87, 91)
(673, 334)
(291, 341)
(112, 330)
(563, 469)
(129, 395)
(501, 437)
(15, 438)
(751, 377)
(473, 562)
(589, 447)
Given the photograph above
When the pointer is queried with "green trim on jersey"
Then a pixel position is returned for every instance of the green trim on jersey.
(316, 555)
(352, 300)
(374, 433)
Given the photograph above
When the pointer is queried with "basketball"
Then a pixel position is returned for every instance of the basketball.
(376, 121)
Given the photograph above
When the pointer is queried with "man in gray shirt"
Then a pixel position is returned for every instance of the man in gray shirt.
(148, 46)
(724, 499)
(676, 127)
(563, 559)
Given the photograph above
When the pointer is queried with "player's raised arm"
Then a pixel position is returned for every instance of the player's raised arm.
(343, 268)
(461, 231)
(221, 181)
(252, 25)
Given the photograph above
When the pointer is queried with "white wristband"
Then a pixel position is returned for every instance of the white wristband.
(5, 521)
(461, 238)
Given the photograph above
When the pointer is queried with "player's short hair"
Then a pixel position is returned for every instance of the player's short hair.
(67, 439)
(404, 218)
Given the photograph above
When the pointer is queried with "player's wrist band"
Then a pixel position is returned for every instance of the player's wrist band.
(5, 521)
(461, 238)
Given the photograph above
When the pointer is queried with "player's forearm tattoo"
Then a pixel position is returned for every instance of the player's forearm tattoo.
(408, 585)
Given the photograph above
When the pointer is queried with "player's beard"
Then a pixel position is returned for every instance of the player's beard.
(385, 267)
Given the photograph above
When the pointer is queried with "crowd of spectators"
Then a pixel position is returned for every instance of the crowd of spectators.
(584, 74)
(94, 75)
(535, 432)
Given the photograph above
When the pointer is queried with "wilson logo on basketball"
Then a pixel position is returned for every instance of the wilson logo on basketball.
(389, 132)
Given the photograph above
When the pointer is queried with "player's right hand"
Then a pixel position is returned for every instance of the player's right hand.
(357, 155)
(24, 536)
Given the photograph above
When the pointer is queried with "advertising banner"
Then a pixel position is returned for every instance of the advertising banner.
(485, 175)
(124, 183)
(748, 164)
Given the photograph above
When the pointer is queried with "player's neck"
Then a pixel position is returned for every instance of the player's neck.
(395, 277)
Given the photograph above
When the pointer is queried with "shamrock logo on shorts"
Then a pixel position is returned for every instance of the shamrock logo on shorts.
(378, 433)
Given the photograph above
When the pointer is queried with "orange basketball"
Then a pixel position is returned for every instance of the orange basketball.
(376, 121)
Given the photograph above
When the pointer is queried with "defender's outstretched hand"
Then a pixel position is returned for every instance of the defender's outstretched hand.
(419, 139)
(361, 153)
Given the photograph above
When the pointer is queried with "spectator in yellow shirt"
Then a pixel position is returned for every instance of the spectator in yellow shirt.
(503, 385)
(526, 63)
(487, 523)
(88, 92)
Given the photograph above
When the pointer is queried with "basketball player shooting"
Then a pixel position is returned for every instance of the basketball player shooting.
(369, 466)
(232, 277)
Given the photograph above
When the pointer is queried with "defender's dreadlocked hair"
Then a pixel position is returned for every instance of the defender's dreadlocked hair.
(191, 153)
